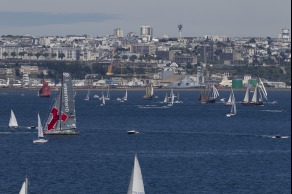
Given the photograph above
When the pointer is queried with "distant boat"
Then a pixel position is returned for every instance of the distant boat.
(24, 187)
(203, 97)
(257, 98)
(149, 92)
(41, 138)
(103, 100)
(229, 102)
(136, 185)
(87, 95)
(133, 132)
(246, 100)
(12, 122)
(125, 98)
(45, 91)
(62, 118)
(280, 136)
(233, 107)
(212, 94)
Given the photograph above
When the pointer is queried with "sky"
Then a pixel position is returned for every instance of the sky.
(232, 18)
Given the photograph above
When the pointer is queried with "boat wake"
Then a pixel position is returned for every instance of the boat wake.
(273, 110)
(153, 107)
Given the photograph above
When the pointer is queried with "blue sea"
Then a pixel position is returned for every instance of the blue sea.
(188, 148)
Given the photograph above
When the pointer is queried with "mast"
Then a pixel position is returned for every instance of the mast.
(60, 104)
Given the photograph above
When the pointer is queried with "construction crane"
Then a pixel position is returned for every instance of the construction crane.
(110, 67)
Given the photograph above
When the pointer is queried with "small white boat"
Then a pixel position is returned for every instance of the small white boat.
(41, 138)
(133, 132)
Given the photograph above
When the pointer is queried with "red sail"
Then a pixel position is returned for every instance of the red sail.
(45, 91)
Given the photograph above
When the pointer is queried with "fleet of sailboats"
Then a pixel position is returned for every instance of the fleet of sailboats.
(13, 124)
(136, 185)
(62, 118)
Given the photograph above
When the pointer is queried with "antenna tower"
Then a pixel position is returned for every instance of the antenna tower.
(180, 26)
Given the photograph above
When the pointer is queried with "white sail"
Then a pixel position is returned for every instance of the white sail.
(136, 185)
(166, 98)
(126, 95)
(255, 95)
(24, 187)
(12, 122)
(233, 107)
(263, 89)
(88, 95)
(40, 128)
(230, 96)
(246, 97)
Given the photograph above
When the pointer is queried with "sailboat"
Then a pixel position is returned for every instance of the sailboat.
(24, 187)
(103, 100)
(246, 101)
(165, 98)
(107, 97)
(12, 122)
(229, 102)
(136, 184)
(45, 91)
(257, 98)
(203, 97)
(125, 98)
(213, 94)
(149, 92)
(62, 118)
(87, 96)
(233, 107)
(40, 138)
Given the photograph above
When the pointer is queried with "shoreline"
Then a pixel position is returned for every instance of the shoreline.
(142, 89)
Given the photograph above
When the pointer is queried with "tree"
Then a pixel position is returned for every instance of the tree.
(53, 55)
(125, 57)
(38, 55)
(21, 54)
(133, 58)
(5, 54)
(61, 55)
(13, 54)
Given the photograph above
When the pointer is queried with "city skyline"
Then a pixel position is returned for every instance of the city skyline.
(260, 18)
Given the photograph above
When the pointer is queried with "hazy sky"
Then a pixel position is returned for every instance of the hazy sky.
(100, 17)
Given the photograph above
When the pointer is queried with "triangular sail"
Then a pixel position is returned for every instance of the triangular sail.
(233, 107)
(263, 89)
(24, 187)
(40, 128)
(12, 121)
(246, 97)
(255, 95)
(136, 185)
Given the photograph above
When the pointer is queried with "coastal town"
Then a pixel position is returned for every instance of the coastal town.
(135, 60)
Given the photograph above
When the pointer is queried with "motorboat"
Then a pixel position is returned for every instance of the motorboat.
(131, 132)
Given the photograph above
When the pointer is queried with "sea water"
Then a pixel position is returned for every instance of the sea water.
(186, 148)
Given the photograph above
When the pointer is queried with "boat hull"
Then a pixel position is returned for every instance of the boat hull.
(62, 132)
(40, 141)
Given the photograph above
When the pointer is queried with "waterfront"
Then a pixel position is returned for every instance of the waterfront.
(187, 148)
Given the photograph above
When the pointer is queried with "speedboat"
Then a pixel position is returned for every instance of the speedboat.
(280, 136)
(132, 132)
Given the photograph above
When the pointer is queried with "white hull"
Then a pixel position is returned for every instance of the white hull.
(40, 141)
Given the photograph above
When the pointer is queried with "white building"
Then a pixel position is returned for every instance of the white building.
(146, 33)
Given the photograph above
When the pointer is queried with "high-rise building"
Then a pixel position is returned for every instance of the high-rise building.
(118, 32)
(146, 32)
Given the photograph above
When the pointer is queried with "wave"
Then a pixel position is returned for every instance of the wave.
(274, 110)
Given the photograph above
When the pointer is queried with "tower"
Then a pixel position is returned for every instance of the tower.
(180, 26)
